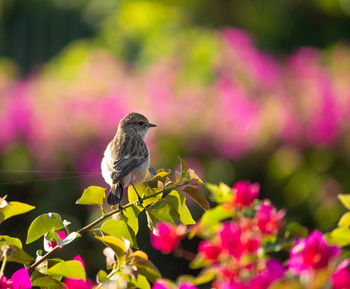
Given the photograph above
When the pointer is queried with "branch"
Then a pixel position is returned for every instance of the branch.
(100, 219)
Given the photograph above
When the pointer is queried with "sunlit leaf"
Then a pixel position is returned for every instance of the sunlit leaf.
(47, 282)
(13, 209)
(344, 220)
(117, 245)
(15, 254)
(159, 176)
(221, 193)
(216, 215)
(345, 199)
(198, 262)
(141, 282)
(339, 236)
(70, 269)
(101, 276)
(147, 269)
(119, 229)
(93, 195)
(206, 276)
(139, 254)
(131, 217)
(43, 224)
(161, 211)
(10, 241)
(178, 201)
(288, 283)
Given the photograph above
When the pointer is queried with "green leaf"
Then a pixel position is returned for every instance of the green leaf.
(101, 276)
(119, 229)
(221, 193)
(147, 269)
(206, 276)
(13, 209)
(159, 176)
(141, 282)
(198, 262)
(295, 228)
(197, 195)
(178, 201)
(93, 195)
(345, 199)
(131, 217)
(42, 225)
(70, 269)
(47, 282)
(143, 190)
(216, 215)
(344, 220)
(161, 211)
(17, 255)
(117, 245)
(183, 167)
(10, 241)
(340, 236)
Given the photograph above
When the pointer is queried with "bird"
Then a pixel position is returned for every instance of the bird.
(126, 158)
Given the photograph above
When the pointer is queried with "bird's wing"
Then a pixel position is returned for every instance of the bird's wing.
(125, 165)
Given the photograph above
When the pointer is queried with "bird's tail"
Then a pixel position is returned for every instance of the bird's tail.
(116, 194)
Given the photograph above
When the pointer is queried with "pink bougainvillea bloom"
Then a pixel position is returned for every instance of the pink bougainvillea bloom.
(341, 276)
(274, 270)
(160, 284)
(245, 193)
(5, 283)
(49, 245)
(268, 219)
(187, 285)
(166, 237)
(311, 253)
(209, 251)
(21, 280)
(232, 284)
(230, 239)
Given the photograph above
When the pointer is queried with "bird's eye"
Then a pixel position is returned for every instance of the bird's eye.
(141, 122)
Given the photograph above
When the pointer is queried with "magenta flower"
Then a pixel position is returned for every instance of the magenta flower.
(268, 219)
(49, 245)
(19, 280)
(311, 253)
(166, 237)
(232, 284)
(187, 285)
(274, 270)
(209, 251)
(230, 239)
(341, 276)
(245, 193)
(160, 284)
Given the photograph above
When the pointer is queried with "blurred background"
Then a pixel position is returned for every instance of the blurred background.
(256, 90)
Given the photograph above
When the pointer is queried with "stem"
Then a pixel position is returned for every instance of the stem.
(100, 219)
(2, 269)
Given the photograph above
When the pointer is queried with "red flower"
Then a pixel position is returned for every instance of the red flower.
(245, 193)
(268, 219)
(166, 237)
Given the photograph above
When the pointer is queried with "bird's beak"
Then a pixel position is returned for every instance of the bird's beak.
(151, 125)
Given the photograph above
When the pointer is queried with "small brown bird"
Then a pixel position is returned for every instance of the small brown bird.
(126, 158)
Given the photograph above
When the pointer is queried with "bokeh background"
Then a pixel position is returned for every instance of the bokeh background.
(256, 90)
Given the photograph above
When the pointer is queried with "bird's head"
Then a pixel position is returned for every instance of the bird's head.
(136, 122)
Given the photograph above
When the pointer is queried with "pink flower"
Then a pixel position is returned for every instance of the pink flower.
(209, 251)
(21, 280)
(311, 253)
(5, 283)
(229, 285)
(268, 220)
(49, 245)
(230, 238)
(274, 270)
(341, 276)
(160, 284)
(187, 285)
(166, 237)
(245, 193)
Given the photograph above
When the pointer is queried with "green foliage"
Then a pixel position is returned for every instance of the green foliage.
(93, 195)
(13, 209)
(70, 269)
(47, 282)
(120, 229)
(42, 225)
